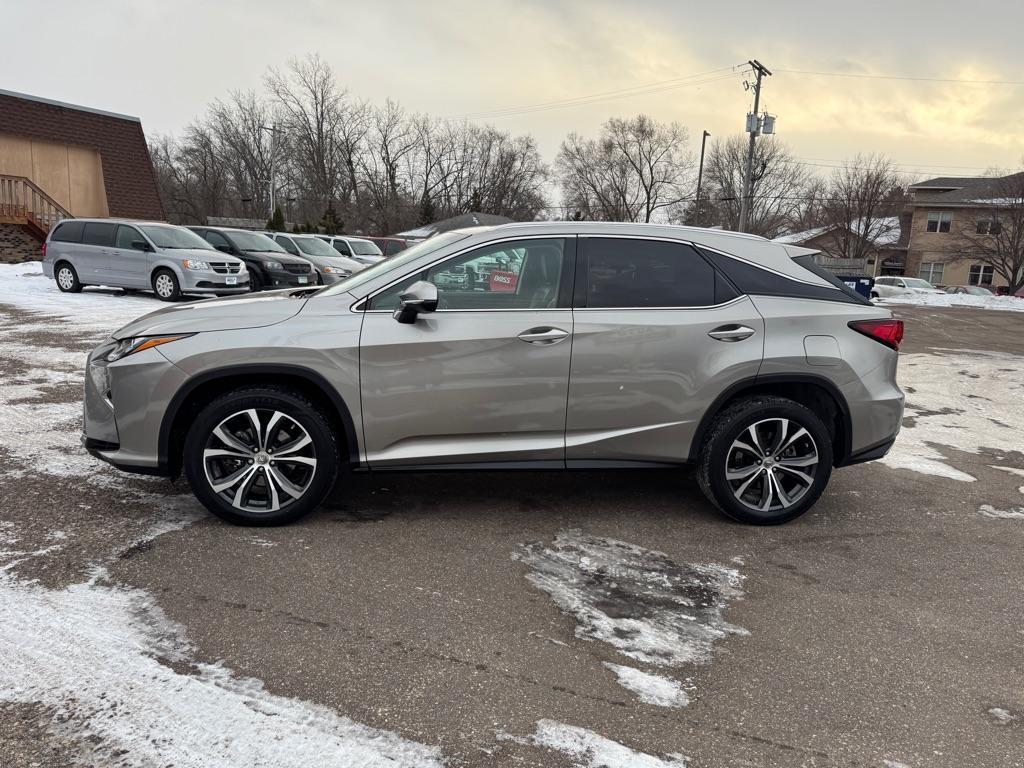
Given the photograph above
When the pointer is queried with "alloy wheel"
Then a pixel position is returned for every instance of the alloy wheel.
(772, 464)
(163, 285)
(259, 460)
(65, 278)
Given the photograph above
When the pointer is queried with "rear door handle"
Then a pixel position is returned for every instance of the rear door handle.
(731, 333)
(544, 335)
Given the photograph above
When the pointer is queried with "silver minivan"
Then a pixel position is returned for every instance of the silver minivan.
(168, 260)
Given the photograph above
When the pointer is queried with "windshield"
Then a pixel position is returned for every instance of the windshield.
(364, 248)
(913, 282)
(436, 243)
(254, 241)
(314, 246)
(165, 236)
(976, 291)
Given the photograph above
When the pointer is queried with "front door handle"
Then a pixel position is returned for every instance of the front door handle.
(731, 333)
(544, 335)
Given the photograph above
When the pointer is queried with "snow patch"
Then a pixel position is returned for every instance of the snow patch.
(102, 658)
(958, 400)
(987, 510)
(637, 600)
(587, 749)
(999, 303)
(650, 689)
(1002, 716)
(894, 764)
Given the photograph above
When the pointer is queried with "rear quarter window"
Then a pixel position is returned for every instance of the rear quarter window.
(68, 232)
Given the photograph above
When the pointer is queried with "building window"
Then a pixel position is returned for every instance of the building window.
(989, 227)
(932, 272)
(940, 221)
(980, 275)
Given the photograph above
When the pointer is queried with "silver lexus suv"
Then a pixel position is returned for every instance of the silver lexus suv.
(575, 345)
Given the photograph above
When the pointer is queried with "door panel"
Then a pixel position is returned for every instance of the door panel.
(458, 387)
(128, 266)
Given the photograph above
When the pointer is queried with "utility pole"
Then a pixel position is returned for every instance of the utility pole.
(754, 128)
(700, 175)
(273, 130)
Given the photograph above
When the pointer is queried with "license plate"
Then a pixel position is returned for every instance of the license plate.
(302, 279)
(231, 280)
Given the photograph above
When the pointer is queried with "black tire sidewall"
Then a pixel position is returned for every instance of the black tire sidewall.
(296, 407)
(718, 450)
(76, 284)
(255, 281)
(176, 294)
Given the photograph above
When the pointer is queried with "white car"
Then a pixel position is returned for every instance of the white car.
(356, 248)
(901, 286)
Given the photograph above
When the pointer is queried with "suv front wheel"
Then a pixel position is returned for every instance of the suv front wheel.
(261, 456)
(766, 460)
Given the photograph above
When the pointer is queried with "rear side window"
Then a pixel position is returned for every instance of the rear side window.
(68, 232)
(98, 233)
(646, 273)
(808, 263)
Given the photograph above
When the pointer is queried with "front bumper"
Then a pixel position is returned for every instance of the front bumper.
(290, 279)
(208, 281)
(332, 278)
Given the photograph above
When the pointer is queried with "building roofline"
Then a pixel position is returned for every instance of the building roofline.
(66, 105)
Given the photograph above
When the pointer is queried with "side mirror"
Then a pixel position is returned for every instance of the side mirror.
(141, 245)
(420, 297)
(223, 248)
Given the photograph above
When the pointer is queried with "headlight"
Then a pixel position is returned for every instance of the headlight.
(273, 266)
(195, 264)
(127, 347)
(337, 271)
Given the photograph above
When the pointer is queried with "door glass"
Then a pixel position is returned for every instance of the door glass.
(524, 274)
(126, 236)
(342, 247)
(216, 239)
(646, 273)
(98, 233)
(287, 244)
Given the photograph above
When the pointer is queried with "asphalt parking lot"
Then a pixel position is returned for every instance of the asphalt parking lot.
(477, 619)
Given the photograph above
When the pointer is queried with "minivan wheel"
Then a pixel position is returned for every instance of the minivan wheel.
(165, 285)
(67, 278)
(766, 460)
(255, 281)
(260, 456)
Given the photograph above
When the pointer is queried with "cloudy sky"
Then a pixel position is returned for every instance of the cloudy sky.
(165, 61)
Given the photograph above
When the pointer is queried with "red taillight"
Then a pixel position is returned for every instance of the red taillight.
(44, 249)
(888, 332)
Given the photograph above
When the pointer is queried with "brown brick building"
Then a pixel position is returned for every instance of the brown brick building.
(59, 160)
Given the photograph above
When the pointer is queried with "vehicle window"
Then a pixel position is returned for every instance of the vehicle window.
(364, 248)
(523, 275)
(68, 232)
(808, 263)
(126, 236)
(342, 247)
(98, 233)
(646, 273)
(287, 244)
(393, 247)
(216, 238)
(255, 242)
(314, 246)
(167, 236)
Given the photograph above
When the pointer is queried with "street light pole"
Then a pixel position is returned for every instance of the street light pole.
(754, 127)
(273, 130)
(700, 175)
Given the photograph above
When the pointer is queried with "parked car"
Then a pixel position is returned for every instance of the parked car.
(389, 246)
(887, 286)
(972, 290)
(166, 259)
(357, 248)
(270, 266)
(727, 351)
(330, 265)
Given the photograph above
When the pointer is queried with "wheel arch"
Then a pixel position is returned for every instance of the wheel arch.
(815, 392)
(204, 387)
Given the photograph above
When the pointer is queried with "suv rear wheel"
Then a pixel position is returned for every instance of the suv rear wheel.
(766, 460)
(67, 278)
(260, 456)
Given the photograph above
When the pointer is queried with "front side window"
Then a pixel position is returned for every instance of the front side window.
(646, 273)
(939, 221)
(216, 238)
(930, 272)
(524, 274)
(126, 236)
(164, 236)
(287, 244)
(342, 247)
(980, 274)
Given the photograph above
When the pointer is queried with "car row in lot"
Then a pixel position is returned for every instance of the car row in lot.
(173, 261)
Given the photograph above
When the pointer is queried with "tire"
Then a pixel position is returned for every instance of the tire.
(166, 286)
(744, 496)
(67, 278)
(254, 487)
(255, 281)
(874, 295)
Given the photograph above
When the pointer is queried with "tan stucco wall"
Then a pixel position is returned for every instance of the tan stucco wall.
(71, 175)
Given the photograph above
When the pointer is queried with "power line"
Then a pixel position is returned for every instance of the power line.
(961, 81)
(700, 78)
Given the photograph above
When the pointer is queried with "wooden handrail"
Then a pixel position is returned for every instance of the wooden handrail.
(23, 199)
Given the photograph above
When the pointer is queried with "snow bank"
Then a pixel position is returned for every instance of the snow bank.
(637, 600)
(987, 510)
(959, 400)
(587, 749)
(1003, 303)
(650, 689)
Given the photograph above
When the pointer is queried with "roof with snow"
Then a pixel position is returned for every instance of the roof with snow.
(883, 232)
(982, 190)
(455, 222)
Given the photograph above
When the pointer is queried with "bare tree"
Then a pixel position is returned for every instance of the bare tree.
(633, 170)
(779, 189)
(996, 238)
(239, 129)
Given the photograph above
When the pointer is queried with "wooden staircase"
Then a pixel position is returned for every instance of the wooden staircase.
(23, 202)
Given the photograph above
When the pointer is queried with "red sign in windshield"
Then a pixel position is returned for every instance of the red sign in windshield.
(503, 282)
